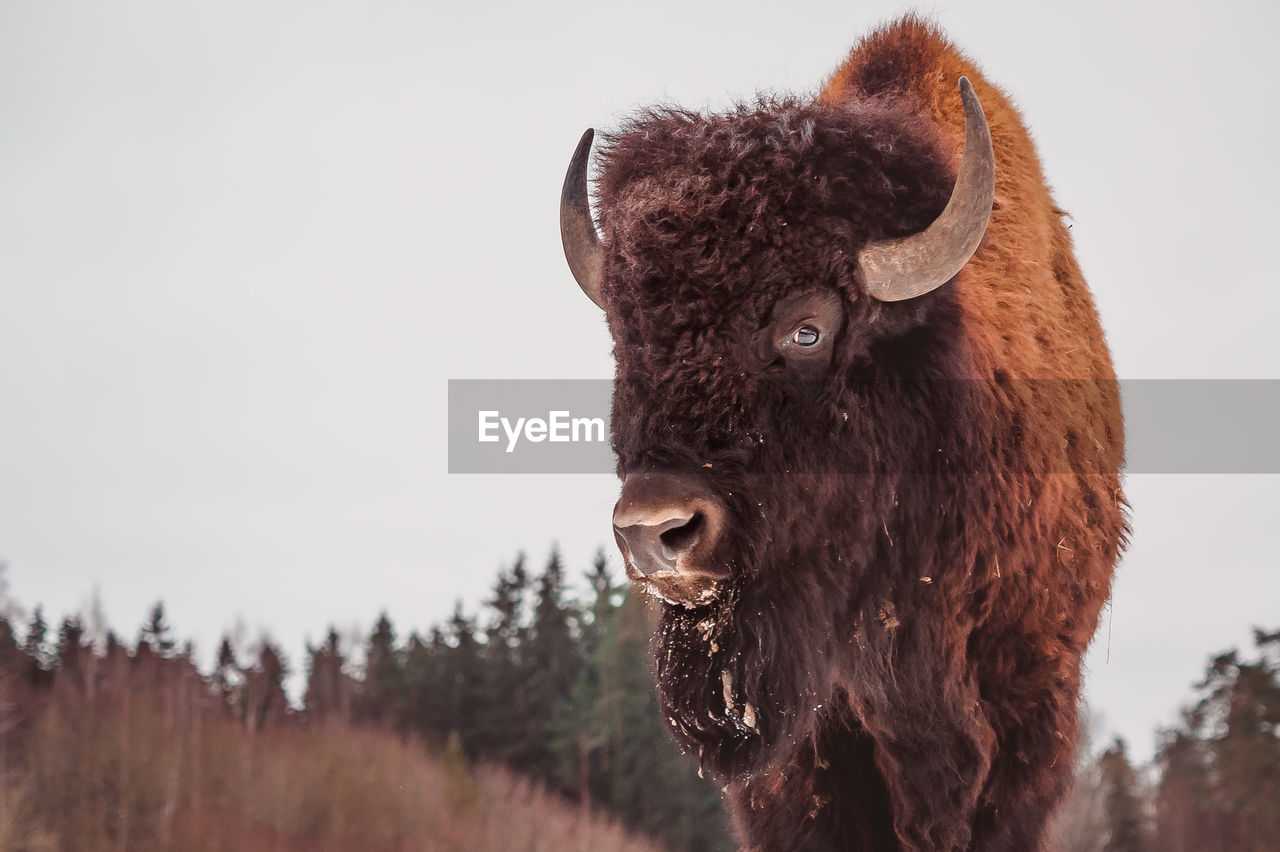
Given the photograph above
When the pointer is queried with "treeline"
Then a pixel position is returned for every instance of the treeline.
(1215, 782)
(555, 689)
(138, 748)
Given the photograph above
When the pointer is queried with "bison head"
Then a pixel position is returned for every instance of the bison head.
(745, 267)
(756, 269)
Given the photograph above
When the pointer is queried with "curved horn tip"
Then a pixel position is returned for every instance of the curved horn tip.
(899, 269)
(969, 97)
(578, 234)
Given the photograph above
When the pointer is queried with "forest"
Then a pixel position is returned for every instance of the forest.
(531, 724)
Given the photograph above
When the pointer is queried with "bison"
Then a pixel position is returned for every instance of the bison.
(869, 441)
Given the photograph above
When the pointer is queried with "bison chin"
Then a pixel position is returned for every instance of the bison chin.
(689, 591)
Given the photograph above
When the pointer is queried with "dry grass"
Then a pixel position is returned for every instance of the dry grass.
(163, 770)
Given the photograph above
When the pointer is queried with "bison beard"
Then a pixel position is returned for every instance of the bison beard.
(892, 544)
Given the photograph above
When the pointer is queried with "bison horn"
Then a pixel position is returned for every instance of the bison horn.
(577, 230)
(904, 268)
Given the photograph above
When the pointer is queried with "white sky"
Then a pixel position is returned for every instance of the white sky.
(243, 246)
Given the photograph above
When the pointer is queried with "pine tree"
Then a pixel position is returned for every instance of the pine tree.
(462, 677)
(227, 674)
(502, 722)
(553, 662)
(265, 702)
(330, 690)
(604, 600)
(1221, 769)
(157, 635)
(13, 686)
(581, 732)
(70, 656)
(425, 687)
(1239, 721)
(383, 690)
(36, 645)
(1184, 819)
(1121, 801)
(11, 655)
(506, 631)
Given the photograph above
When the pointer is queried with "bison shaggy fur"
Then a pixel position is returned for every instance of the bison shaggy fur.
(920, 533)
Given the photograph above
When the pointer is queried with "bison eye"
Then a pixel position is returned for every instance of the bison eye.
(806, 335)
(801, 331)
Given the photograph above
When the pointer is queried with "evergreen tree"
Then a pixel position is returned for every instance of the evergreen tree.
(425, 687)
(554, 661)
(11, 655)
(383, 692)
(1239, 721)
(226, 671)
(605, 599)
(1184, 818)
(330, 689)
(13, 685)
(506, 631)
(157, 635)
(581, 735)
(36, 645)
(69, 661)
(502, 730)
(1121, 801)
(265, 702)
(462, 678)
(1221, 770)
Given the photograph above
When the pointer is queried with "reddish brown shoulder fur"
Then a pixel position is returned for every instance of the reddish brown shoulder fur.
(1024, 303)
(1023, 279)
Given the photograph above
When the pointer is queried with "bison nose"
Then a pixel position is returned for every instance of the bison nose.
(667, 524)
(656, 543)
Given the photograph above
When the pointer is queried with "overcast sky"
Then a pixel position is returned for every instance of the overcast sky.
(243, 247)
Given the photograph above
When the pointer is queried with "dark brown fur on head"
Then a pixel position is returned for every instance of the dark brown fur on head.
(712, 218)
(919, 539)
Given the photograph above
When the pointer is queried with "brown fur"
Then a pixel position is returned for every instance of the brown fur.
(923, 535)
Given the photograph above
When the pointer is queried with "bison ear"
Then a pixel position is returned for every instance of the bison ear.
(904, 268)
(577, 230)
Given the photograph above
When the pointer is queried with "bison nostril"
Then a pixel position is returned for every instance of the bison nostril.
(679, 539)
(668, 526)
